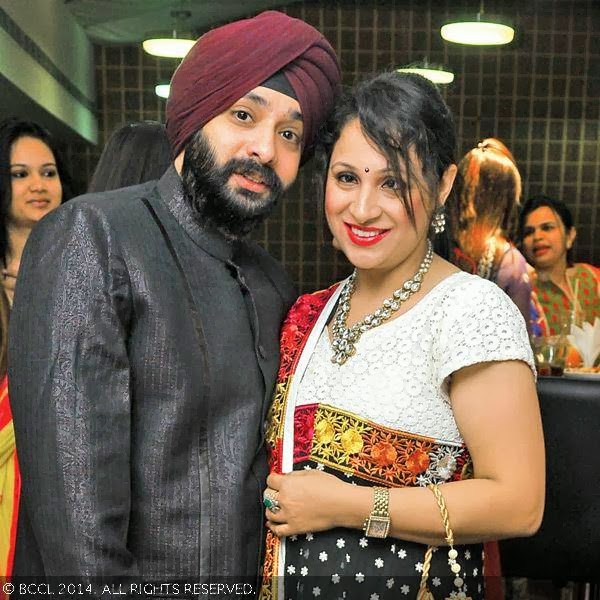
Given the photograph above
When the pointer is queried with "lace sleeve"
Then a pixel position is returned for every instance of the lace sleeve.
(480, 324)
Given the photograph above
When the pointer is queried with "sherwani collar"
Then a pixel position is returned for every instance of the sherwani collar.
(171, 192)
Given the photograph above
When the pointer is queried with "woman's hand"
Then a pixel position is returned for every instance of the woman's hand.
(308, 501)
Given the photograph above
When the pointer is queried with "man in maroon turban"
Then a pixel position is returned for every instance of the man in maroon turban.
(140, 396)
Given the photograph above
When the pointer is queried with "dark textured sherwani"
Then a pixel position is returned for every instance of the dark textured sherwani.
(139, 438)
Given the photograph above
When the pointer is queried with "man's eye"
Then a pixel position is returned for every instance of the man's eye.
(242, 115)
(290, 136)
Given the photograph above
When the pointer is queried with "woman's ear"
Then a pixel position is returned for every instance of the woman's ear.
(446, 184)
(571, 235)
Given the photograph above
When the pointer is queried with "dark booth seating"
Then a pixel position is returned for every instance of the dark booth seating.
(567, 546)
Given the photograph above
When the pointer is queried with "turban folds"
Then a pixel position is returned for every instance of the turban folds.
(228, 62)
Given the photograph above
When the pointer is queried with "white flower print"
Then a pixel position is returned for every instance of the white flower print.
(309, 536)
(374, 597)
(475, 572)
(363, 542)
(341, 542)
(293, 538)
(304, 571)
(468, 554)
(402, 553)
(393, 548)
(379, 563)
(291, 569)
(307, 467)
(419, 567)
(390, 583)
(359, 577)
(335, 578)
(405, 589)
(316, 591)
(323, 556)
(320, 467)
(347, 558)
(436, 581)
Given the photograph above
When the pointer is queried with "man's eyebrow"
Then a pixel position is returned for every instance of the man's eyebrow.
(294, 115)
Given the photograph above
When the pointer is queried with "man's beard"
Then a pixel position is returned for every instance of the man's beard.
(234, 213)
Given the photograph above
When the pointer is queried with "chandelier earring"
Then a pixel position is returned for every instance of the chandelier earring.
(438, 223)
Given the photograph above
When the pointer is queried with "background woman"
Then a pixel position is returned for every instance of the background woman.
(564, 290)
(33, 182)
(482, 218)
(135, 153)
(407, 375)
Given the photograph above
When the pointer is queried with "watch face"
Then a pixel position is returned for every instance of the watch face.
(378, 527)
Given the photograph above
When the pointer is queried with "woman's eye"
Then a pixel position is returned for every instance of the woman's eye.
(547, 227)
(50, 173)
(346, 178)
(18, 174)
(528, 231)
(391, 183)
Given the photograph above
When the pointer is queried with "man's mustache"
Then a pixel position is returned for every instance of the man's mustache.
(255, 170)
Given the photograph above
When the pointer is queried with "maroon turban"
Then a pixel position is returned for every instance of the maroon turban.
(227, 62)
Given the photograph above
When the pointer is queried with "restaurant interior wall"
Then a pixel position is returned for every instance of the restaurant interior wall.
(540, 95)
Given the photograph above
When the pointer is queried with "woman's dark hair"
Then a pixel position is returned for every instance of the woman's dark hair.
(135, 153)
(488, 188)
(11, 130)
(401, 113)
(558, 207)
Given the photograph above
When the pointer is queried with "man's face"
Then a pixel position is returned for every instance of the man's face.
(240, 163)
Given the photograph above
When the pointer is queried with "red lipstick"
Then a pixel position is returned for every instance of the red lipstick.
(365, 236)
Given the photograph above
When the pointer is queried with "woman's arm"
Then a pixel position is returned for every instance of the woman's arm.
(497, 412)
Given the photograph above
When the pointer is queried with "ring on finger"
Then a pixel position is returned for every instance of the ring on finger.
(270, 500)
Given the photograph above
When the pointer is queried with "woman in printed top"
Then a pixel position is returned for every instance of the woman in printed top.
(408, 375)
(565, 291)
(483, 214)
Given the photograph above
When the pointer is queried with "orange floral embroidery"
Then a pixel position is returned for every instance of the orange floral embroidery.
(383, 454)
(418, 462)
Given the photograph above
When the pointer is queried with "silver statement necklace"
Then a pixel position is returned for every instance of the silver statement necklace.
(345, 338)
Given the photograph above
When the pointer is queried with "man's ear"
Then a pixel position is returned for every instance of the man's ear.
(178, 162)
(446, 184)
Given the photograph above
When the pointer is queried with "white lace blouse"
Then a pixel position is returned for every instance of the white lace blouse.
(398, 377)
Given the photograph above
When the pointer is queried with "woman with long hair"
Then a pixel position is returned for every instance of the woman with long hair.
(482, 218)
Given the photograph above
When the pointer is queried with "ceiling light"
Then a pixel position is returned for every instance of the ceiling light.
(433, 74)
(173, 44)
(478, 30)
(162, 90)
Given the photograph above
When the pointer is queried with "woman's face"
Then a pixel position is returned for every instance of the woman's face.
(36, 187)
(545, 240)
(365, 215)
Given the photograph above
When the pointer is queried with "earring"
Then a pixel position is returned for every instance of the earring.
(438, 223)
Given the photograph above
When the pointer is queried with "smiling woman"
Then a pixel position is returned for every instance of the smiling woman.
(33, 182)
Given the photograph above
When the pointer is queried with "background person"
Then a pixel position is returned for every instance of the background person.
(408, 374)
(482, 218)
(564, 290)
(33, 182)
(134, 153)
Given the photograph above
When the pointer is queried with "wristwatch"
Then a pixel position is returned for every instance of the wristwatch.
(377, 524)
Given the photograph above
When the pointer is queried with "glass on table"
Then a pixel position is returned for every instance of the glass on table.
(550, 353)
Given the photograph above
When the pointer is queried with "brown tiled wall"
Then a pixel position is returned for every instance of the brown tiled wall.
(540, 95)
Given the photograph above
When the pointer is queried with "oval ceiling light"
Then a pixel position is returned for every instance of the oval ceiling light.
(162, 90)
(479, 31)
(438, 76)
(173, 47)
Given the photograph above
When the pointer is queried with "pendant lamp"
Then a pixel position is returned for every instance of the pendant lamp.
(173, 44)
(435, 74)
(479, 30)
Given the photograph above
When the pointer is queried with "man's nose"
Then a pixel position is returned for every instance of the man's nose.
(262, 146)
